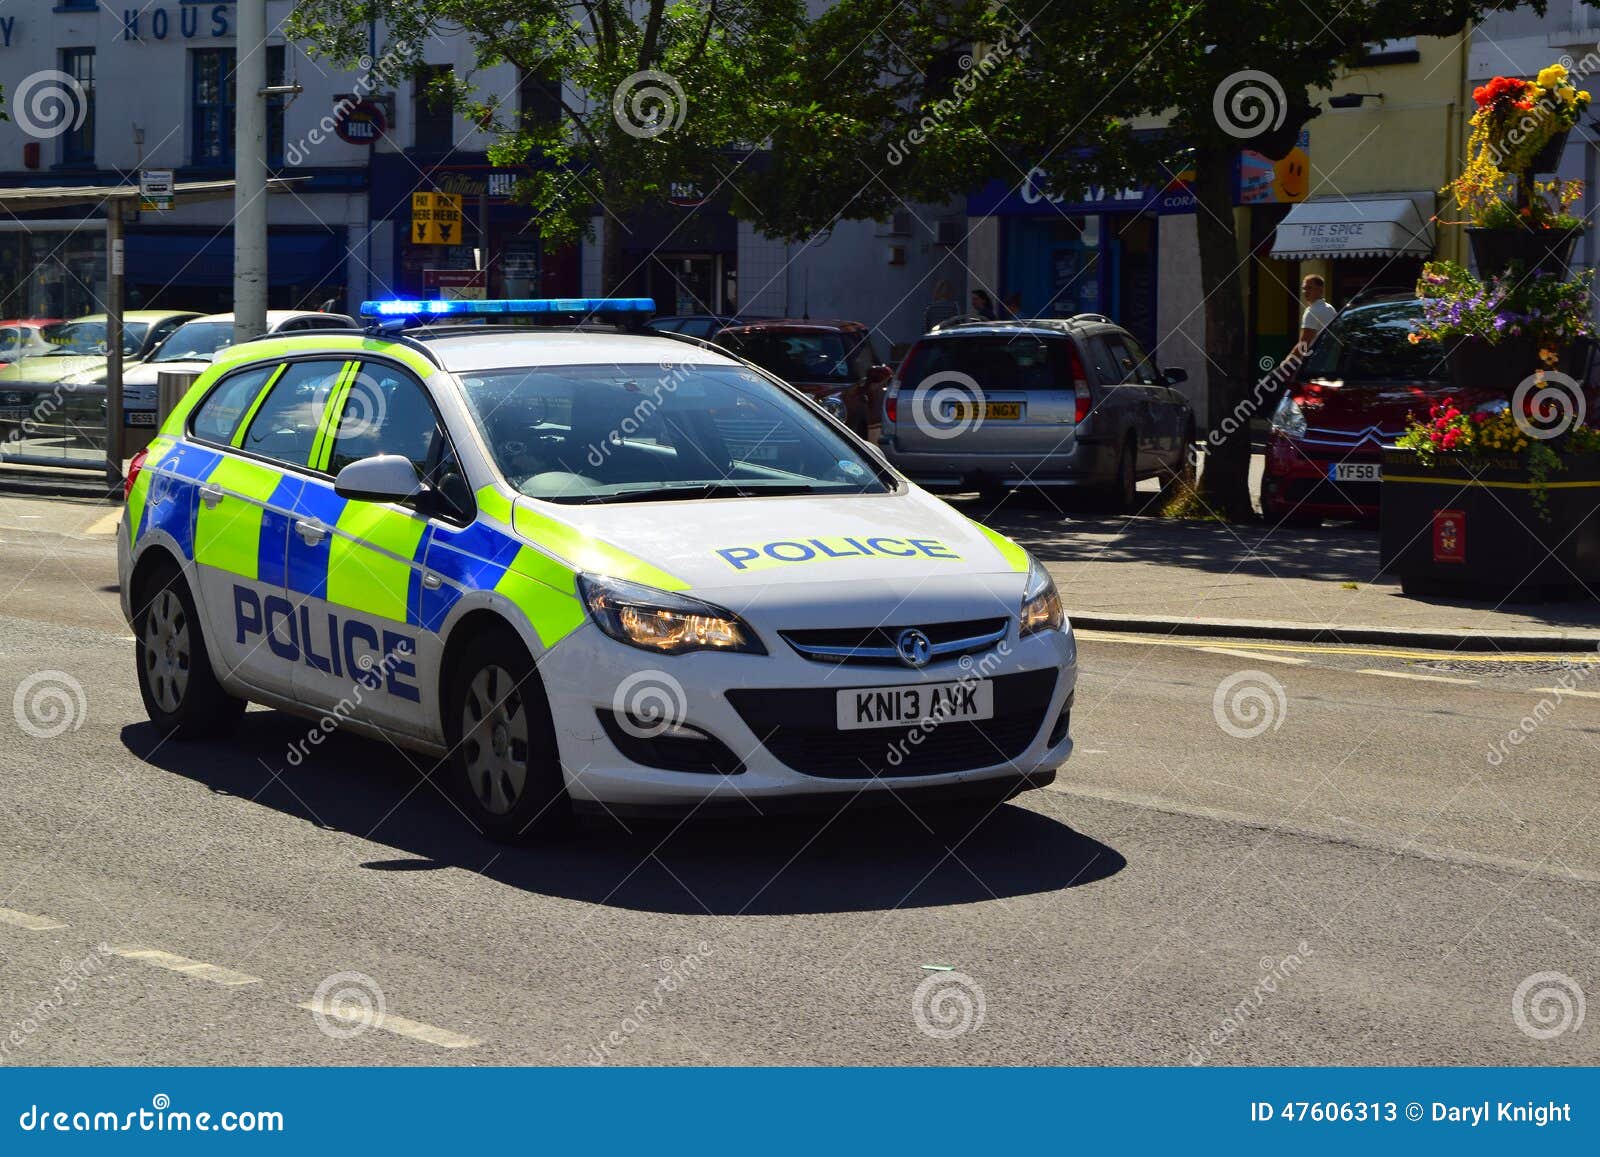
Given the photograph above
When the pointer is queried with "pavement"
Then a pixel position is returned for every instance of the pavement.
(1260, 853)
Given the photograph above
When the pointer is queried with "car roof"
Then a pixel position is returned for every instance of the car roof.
(1032, 327)
(484, 350)
(800, 325)
(141, 315)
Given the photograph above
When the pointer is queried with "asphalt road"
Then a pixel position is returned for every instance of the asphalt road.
(1361, 882)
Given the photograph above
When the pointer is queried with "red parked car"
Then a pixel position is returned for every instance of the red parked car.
(1361, 380)
(832, 361)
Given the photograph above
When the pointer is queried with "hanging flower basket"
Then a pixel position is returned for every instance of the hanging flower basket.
(1548, 157)
(1536, 250)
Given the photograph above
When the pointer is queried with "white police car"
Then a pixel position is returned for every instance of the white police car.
(587, 568)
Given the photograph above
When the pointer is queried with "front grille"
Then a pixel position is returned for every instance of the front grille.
(875, 646)
(799, 728)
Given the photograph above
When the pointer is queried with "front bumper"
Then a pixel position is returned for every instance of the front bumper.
(589, 674)
(1296, 479)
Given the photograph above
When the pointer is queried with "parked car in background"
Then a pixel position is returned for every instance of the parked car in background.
(834, 362)
(191, 347)
(704, 325)
(80, 345)
(1069, 402)
(1362, 379)
(22, 337)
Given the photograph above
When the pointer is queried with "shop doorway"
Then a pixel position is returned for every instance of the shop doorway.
(686, 283)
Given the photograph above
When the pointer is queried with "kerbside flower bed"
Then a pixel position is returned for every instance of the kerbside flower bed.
(1496, 492)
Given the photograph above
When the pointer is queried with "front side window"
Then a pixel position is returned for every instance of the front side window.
(1374, 344)
(385, 412)
(285, 427)
(217, 418)
(631, 433)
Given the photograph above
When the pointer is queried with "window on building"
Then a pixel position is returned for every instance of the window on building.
(433, 115)
(77, 143)
(213, 98)
(538, 99)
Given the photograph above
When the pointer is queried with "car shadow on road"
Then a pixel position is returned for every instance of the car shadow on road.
(860, 860)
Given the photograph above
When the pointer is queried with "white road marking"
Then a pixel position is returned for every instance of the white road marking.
(389, 1022)
(1418, 678)
(1565, 691)
(198, 968)
(30, 922)
(105, 524)
(1253, 656)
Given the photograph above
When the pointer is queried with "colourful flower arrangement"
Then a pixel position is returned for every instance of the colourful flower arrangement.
(1540, 307)
(1515, 119)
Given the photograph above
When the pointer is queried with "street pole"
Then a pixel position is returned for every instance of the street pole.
(114, 272)
(250, 173)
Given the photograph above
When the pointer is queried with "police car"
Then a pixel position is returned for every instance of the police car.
(587, 568)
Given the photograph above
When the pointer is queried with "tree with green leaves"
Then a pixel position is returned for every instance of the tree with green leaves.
(642, 96)
(1097, 93)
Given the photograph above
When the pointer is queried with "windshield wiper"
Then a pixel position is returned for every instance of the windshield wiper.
(705, 490)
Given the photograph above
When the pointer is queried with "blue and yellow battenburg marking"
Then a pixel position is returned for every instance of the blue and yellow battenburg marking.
(799, 550)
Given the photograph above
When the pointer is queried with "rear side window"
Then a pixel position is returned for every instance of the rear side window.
(285, 427)
(1022, 362)
(218, 416)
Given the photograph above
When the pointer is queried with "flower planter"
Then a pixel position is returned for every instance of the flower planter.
(1472, 528)
(1475, 364)
(1538, 250)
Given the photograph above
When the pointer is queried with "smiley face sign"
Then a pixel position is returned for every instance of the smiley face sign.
(1291, 177)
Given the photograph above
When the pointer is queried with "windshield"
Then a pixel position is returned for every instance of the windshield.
(634, 433)
(10, 339)
(195, 341)
(794, 357)
(1374, 345)
(79, 338)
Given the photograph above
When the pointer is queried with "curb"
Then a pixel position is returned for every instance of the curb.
(1423, 638)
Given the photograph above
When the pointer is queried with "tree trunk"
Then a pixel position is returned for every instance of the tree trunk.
(613, 261)
(1225, 485)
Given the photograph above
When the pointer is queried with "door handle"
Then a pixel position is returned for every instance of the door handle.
(431, 580)
(210, 495)
(311, 532)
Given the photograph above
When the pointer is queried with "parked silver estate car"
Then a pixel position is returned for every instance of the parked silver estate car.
(1042, 403)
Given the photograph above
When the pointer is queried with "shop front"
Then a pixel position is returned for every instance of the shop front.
(1365, 245)
(499, 240)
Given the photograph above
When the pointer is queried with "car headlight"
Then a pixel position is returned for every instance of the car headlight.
(1041, 605)
(660, 621)
(1289, 417)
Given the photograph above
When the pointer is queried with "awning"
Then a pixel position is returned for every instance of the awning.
(204, 257)
(1394, 225)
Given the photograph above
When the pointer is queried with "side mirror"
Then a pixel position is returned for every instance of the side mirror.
(381, 478)
(1174, 376)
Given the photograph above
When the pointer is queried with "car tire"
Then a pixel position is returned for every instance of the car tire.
(1123, 492)
(504, 764)
(181, 692)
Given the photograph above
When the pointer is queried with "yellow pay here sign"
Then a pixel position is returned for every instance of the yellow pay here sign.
(435, 219)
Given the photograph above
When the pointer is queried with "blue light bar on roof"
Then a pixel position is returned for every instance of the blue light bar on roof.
(509, 307)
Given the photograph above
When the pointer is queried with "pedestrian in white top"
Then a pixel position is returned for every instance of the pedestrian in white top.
(1318, 312)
